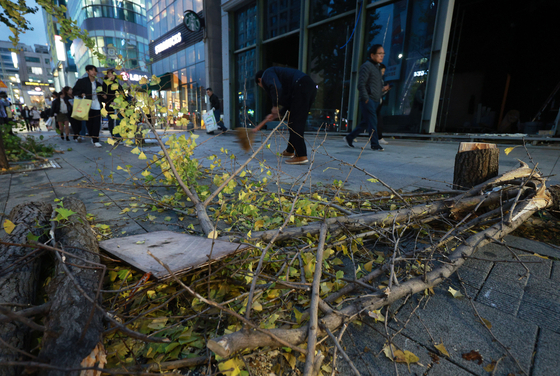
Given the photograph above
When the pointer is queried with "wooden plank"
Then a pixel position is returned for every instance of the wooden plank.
(181, 252)
(469, 146)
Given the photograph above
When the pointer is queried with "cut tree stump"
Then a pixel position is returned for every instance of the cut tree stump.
(76, 324)
(475, 163)
(18, 278)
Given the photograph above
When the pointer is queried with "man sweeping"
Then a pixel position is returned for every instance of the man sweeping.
(294, 91)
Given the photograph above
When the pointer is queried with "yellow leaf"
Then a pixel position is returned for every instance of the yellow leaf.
(259, 224)
(257, 306)
(110, 141)
(143, 81)
(368, 266)
(291, 359)
(508, 150)
(490, 367)
(213, 234)
(119, 67)
(487, 323)
(135, 151)
(456, 294)
(146, 173)
(9, 226)
(376, 315)
(441, 348)
(104, 112)
(142, 156)
(393, 207)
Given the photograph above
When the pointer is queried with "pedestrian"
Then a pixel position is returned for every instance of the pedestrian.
(386, 89)
(370, 87)
(110, 93)
(215, 103)
(25, 114)
(86, 87)
(75, 125)
(35, 117)
(4, 104)
(295, 92)
(62, 109)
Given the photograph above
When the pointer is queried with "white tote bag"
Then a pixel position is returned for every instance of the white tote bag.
(210, 121)
(49, 123)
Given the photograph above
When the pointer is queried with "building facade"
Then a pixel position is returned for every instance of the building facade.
(185, 52)
(26, 72)
(329, 41)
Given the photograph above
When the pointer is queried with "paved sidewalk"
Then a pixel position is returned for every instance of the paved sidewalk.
(524, 311)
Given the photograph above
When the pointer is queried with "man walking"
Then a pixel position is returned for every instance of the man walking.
(215, 103)
(86, 87)
(370, 87)
(295, 92)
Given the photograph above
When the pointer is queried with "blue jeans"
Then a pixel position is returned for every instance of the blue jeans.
(369, 122)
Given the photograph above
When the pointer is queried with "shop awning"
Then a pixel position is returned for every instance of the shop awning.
(165, 84)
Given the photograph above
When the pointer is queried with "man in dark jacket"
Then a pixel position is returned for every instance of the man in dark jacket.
(370, 87)
(215, 103)
(25, 114)
(87, 88)
(295, 92)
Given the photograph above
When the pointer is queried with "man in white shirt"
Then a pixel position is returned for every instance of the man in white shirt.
(87, 88)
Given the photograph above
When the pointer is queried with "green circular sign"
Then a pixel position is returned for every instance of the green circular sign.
(192, 21)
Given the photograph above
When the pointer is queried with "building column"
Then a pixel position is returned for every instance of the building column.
(444, 18)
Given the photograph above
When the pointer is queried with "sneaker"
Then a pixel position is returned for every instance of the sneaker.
(97, 144)
(297, 160)
(377, 149)
(67, 138)
(285, 153)
(348, 142)
(383, 142)
(76, 140)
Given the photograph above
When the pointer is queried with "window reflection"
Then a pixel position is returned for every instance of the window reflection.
(322, 9)
(246, 26)
(245, 88)
(407, 52)
(282, 16)
(329, 67)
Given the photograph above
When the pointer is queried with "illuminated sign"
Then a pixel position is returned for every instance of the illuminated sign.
(31, 92)
(191, 21)
(28, 83)
(420, 73)
(60, 48)
(132, 76)
(168, 43)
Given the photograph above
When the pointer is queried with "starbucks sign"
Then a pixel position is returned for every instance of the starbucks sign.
(192, 21)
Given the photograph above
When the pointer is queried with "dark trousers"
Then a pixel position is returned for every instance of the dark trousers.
(27, 124)
(219, 123)
(379, 122)
(93, 124)
(76, 127)
(302, 99)
(369, 122)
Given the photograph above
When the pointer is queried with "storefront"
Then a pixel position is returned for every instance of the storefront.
(36, 94)
(185, 63)
(329, 41)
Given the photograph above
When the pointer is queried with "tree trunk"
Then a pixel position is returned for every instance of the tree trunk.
(18, 277)
(476, 165)
(74, 320)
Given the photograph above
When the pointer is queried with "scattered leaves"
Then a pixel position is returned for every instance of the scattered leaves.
(473, 356)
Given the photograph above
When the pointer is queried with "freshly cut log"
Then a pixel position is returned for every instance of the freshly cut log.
(76, 325)
(475, 163)
(18, 277)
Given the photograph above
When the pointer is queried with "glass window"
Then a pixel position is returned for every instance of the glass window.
(179, 13)
(199, 48)
(191, 57)
(165, 65)
(182, 58)
(171, 17)
(173, 62)
(327, 63)
(97, 12)
(322, 9)
(200, 74)
(280, 18)
(184, 79)
(246, 26)
(187, 5)
(197, 5)
(245, 87)
(163, 19)
(407, 68)
(151, 30)
(191, 73)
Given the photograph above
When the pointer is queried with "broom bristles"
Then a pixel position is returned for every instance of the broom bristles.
(245, 137)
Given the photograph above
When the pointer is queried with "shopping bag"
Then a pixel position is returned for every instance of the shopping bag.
(81, 108)
(210, 121)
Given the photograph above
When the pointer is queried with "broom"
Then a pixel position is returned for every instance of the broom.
(246, 136)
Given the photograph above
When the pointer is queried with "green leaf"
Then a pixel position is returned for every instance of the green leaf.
(63, 213)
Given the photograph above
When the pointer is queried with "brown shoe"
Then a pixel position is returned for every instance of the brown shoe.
(297, 160)
(285, 153)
